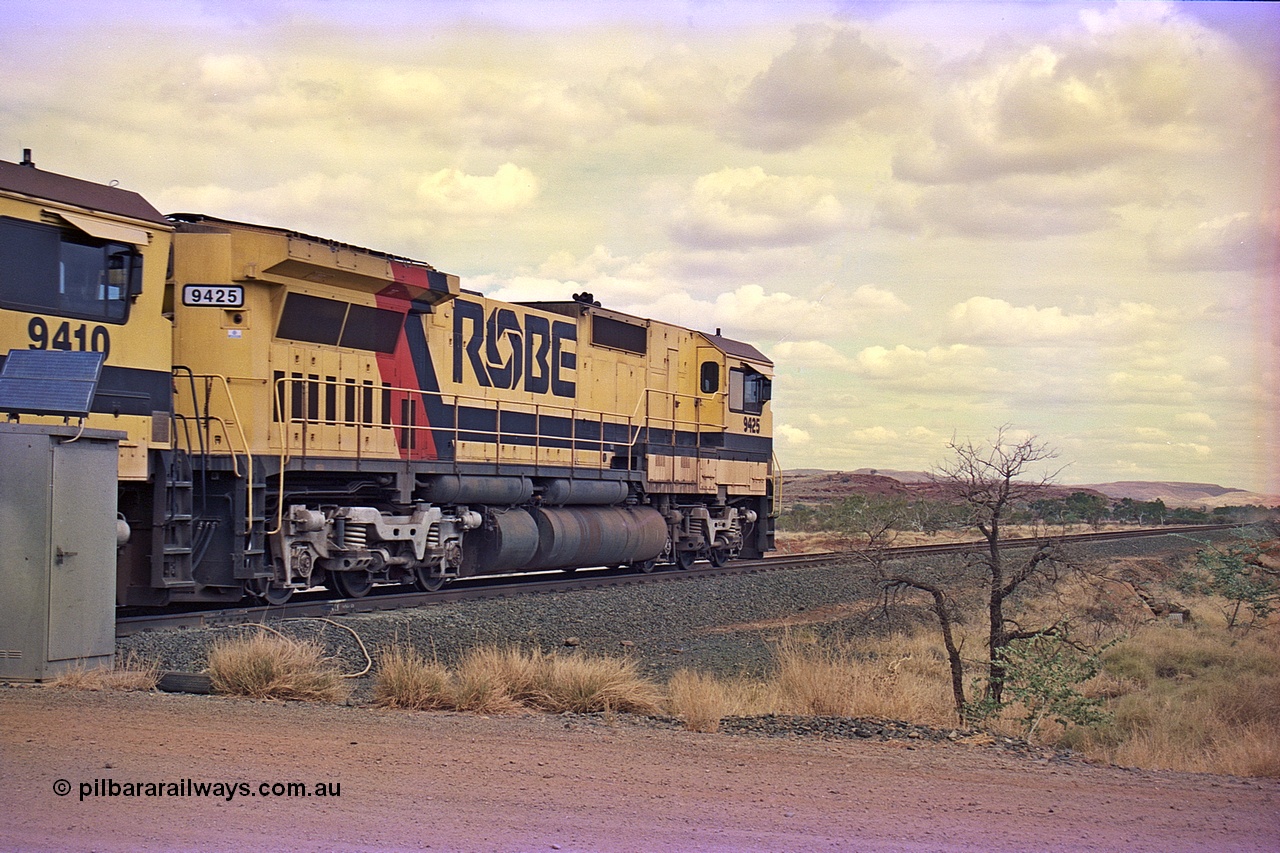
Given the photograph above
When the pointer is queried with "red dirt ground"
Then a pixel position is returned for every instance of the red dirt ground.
(431, 781)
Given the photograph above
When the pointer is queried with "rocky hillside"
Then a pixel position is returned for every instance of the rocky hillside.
(1174, 494)
(816, 485)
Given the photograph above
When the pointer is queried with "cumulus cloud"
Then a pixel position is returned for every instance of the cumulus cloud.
(997, 322)
(450, 191)
(747, 207)
(1019, 205)
(368, 208)
(1238, 241)
(674, 87)
(875, 300)
(750, 311)
(875, 435)
(828, 77)
(654, 285)
(601, 263)
(523, 288)
(820, 420)
(787, 434)
(1166, 449)
(544, 114)
(404, 95)
(1129, 84)
(273, 204)
(809, 354)
(958, 367)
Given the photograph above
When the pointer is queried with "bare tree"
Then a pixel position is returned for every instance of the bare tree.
(989, 481)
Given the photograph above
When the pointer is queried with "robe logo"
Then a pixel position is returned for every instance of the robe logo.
(539, 357)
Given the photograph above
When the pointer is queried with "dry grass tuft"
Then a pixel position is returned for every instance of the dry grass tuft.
(588, 684)
(899, 677)
(482, 683)
(701, 700)
(130, 674)
(266, 666)
(495, 679)
(406, 679)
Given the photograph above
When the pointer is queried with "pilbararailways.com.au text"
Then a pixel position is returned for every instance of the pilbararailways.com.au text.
(226, 790)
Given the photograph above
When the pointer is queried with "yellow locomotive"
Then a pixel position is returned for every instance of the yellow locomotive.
(301, 411)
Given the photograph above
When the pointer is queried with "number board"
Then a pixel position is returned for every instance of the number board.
(213, 295)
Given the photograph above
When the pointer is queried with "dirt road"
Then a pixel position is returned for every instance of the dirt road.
(418, 781)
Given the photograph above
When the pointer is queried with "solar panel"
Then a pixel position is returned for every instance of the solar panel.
(49, 382)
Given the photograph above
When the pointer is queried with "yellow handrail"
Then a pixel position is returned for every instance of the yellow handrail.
(641, 416)
(212, 380)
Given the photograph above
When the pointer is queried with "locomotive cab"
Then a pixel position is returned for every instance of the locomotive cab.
(82, 269)
(735, 422)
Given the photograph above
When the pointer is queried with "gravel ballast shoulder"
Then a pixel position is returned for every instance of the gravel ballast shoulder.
(721, 625)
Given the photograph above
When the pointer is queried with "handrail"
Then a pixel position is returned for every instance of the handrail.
(777, 477)
(205, 420)
(292, 400)
(295, 413)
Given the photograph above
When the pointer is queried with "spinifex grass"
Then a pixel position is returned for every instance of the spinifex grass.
(266, 666)
(129, 673)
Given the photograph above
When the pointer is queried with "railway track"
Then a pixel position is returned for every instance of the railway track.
(312, 605)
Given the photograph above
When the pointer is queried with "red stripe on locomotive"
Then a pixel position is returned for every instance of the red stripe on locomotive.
(396, 369)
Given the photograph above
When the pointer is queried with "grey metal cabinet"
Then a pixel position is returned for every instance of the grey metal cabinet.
(57, 549)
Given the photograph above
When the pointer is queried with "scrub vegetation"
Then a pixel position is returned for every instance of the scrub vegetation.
(1193, 697)
(1171, 675)
(268, 666)
(129, 673)
(490, 680)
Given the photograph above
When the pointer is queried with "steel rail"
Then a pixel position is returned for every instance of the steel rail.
(315, 605)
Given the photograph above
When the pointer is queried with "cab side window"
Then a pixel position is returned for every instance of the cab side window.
(710, 382)
(749, 390)
(67, 273)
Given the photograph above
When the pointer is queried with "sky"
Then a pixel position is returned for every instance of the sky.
(937, 218)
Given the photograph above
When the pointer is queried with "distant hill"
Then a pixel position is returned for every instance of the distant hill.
(900, 476)
(813, 484)
(1176, 494)
(873, 482)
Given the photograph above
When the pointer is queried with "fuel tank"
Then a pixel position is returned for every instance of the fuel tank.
(529, 538)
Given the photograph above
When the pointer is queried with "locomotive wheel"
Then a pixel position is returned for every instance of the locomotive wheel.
(350, 584)
(644, 566)
(267, 591)
(277, 595)
(719, 556)
(427, 582)
(685, 560)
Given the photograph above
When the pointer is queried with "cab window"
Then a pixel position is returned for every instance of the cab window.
(749, 390)
(70, 274)
(710, 383)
